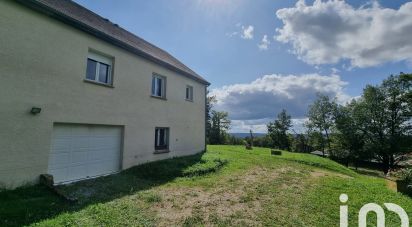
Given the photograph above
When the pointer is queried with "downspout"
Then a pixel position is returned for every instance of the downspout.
(205, 117)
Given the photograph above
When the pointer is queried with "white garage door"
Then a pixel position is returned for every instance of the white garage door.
(84, 151)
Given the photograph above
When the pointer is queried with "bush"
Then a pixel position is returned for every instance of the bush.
(404, 182)
(276, 152)
(406, 176)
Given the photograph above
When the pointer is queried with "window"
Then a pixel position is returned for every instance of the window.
(99, 68)
(158, 86)
(161, 139)
(189, 93)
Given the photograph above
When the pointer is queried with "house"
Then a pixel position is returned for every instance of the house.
(81, 97)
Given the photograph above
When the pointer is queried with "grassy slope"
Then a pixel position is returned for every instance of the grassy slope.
(252, 188)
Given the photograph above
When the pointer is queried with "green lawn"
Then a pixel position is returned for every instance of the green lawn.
(225, 186)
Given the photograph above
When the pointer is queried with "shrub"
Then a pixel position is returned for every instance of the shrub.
(276, 152)
(406, 176)
(404, 181)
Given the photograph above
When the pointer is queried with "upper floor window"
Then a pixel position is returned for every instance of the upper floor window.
(99, 68)
(189, 93)
(159, 86)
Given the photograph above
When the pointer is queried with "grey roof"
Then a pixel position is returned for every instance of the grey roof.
(76, 15)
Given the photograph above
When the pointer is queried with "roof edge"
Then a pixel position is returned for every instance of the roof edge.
(33, 4)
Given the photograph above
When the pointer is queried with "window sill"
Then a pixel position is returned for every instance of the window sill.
(162, 151)
(98, 83)
(158, 97)
(189, 100)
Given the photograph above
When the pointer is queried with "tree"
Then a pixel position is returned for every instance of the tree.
(349, 141)
(263, 141)
(384, 116)
(300, 143)
(397, 90)
(278, 129)
(320, 116)
(220, 124)
(210, 101)
(371, 114)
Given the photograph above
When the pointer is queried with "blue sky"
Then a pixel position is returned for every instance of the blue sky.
(206, 35)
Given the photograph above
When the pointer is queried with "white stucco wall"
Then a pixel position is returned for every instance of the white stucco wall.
(43, 64)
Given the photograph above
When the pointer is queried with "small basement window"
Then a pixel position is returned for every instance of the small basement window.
(189, 93)
(99, 68)
(158, 86)
(161, 139)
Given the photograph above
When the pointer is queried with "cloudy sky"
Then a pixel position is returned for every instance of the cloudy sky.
(263, 56)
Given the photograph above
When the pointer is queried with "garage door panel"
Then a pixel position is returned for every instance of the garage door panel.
(79, 157)
(104, 167)
(61, 145)
(105, 131)
(77, 172)
(80, 130)
(82, 151)
(80, 143)
(59, 160)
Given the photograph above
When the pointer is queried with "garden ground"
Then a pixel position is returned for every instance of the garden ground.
(225, 186)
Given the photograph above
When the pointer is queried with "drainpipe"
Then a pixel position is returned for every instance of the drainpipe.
(205, 117)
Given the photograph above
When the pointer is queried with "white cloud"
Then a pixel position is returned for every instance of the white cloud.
(264, 44)
(252, 105)
(258, 126)
(334, 70)
(231, 34)
(247, 32)
(330, 31)
(267, 95)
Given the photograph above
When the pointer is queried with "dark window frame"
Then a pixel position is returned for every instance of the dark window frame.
(156, 78)
(162, 140)
(189, 93)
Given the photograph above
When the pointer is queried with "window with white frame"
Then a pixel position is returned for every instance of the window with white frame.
(159, 86)
(189, 93)
(161, 139)
(99, 68)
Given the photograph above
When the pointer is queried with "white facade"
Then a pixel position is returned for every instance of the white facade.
(44, 64)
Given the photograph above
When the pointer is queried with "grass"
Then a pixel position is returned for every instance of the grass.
(225, 186)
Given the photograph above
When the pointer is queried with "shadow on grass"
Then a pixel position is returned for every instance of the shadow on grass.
(27, 205)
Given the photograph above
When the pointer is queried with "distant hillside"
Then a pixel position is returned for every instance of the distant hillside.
(243, 135)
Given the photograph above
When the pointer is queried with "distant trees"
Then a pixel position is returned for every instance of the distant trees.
(217, 124)
(348, 139)
(320, 120)
(220, 124)
(210, 101)
(263, 141)
(375, 126)
(384, 117)
(278, 130)
(300, 143)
